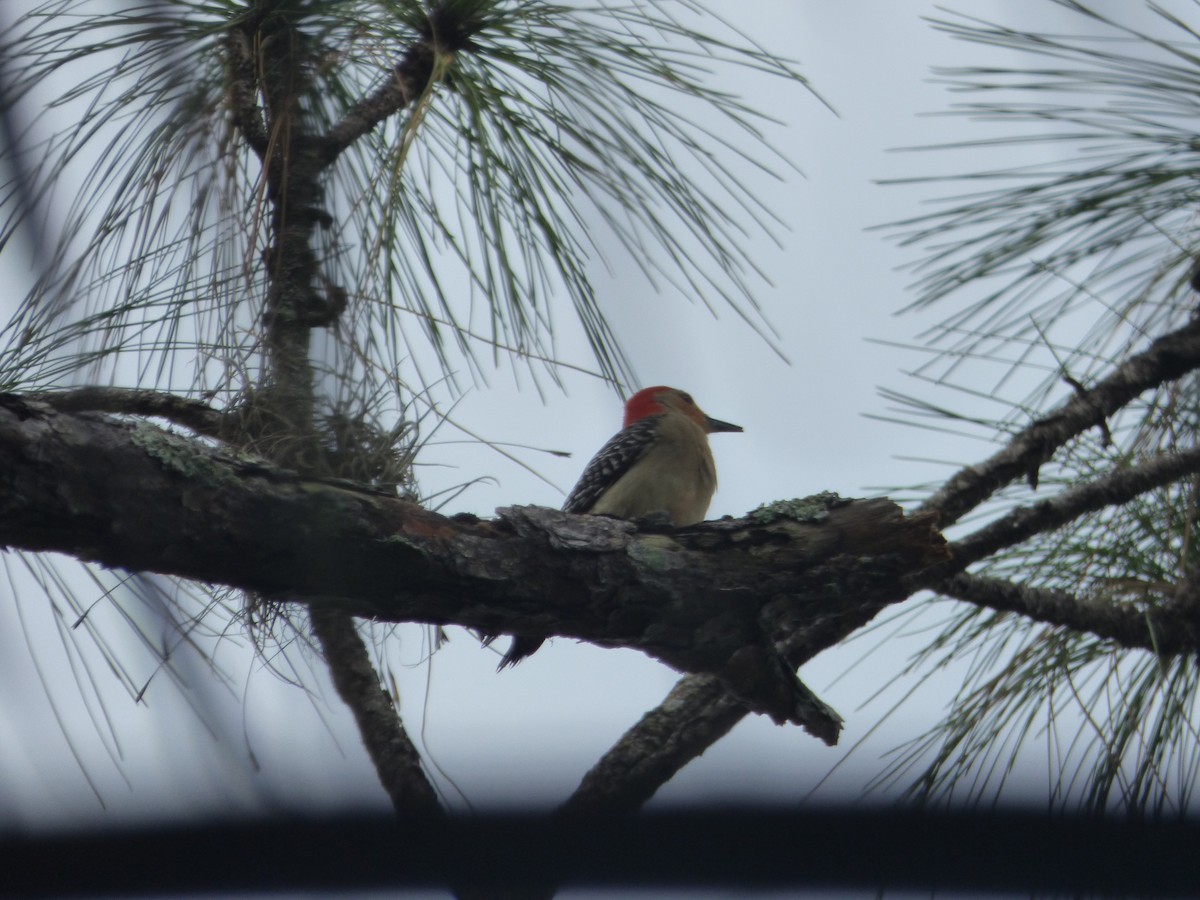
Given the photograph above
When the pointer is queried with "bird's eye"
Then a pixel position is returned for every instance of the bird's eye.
(687, 398)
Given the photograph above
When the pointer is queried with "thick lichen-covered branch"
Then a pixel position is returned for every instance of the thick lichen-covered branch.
(719, 599)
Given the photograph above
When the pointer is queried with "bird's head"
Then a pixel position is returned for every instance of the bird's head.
(654, 401)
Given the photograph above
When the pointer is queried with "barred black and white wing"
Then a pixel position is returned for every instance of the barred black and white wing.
(615, 458)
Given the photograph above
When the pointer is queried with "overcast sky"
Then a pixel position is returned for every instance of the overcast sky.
(528, 735)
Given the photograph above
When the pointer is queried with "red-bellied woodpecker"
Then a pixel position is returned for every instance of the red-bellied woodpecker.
(659, 462)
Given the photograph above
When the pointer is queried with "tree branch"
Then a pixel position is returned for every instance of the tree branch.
(192, 414)
(1166, 359)
(697, 713)
(243, 90)
(396, 760)
(1168, 628)
(406, 83)
(719, 599)
(1113, 489)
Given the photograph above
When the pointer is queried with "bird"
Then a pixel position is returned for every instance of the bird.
(659, 462)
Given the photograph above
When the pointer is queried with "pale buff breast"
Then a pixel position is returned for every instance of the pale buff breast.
(677, 474)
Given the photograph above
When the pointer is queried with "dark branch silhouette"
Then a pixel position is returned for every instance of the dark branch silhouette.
(738, 599)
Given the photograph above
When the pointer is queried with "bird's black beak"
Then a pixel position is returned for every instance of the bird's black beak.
(711, 425)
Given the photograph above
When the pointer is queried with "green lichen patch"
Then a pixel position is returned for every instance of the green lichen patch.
(811, 509)
(177, 454)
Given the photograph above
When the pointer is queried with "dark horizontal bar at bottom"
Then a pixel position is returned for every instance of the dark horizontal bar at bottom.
(1021, 853)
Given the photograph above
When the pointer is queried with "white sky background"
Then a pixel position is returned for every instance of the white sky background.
(528, 735)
